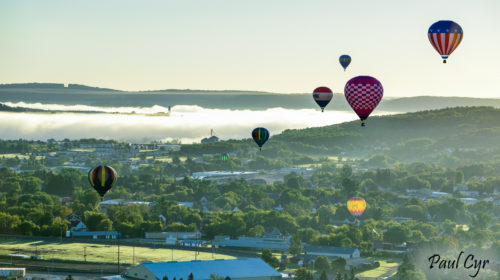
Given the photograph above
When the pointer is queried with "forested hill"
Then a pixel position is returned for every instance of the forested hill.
(411, 136)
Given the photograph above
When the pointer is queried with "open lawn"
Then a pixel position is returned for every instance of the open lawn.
(100, 252)
(13, 156)
(384, 268)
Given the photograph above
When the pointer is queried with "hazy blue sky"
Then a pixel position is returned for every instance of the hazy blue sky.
(279, 46)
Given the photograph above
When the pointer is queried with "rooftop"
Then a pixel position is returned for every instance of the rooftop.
(237, 268)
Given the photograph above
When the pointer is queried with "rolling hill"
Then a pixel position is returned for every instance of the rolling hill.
(227, 99)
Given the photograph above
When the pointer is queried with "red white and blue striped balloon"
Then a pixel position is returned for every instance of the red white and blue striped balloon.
(322, 96)
(445, 36)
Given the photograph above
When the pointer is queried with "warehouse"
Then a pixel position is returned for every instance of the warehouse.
(237, 269)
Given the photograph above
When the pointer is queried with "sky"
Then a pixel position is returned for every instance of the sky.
(284, 46)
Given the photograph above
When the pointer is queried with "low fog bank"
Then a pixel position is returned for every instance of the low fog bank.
(186, 123)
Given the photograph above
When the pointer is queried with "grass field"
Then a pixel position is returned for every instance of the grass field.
(99, 252)
(378, 272)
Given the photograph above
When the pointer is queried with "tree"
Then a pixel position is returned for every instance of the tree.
(190, 277)
(268, 257)
(165, 278)
(323, 276)
(325, 214)
(321, 263)
(481, 220)
(215, 276)
(97, 221)
(339, 264)
(397, 233)
(69, 277)
(295, 245)
(303, 274)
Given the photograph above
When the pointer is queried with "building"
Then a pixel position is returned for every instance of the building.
(331, 252)
(257, 243)
(96, 234)
(468, 200)
(238, 269)
(176, 235)
(12, 272)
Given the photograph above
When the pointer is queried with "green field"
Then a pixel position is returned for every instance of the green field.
(378, 272)
(100, 253)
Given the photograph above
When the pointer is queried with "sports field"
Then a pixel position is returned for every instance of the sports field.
(386, 269)
(48, 250)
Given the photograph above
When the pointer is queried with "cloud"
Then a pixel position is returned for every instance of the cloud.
(186, 123)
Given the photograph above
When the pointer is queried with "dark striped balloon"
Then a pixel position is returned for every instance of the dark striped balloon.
(260, 136)
(102, 178)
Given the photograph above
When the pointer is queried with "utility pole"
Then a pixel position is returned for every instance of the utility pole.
(133, 255)
(85, 253)
(117, 237)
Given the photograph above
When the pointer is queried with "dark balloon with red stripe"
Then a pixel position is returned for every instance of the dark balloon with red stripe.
(260, 136)
(445, 36)
(363, 93)
(102, 178)
(322, 96)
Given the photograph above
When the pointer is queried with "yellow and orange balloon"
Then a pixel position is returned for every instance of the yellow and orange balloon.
(356, 206)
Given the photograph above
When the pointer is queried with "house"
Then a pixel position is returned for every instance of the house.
(474, 194)
(441, 196)
(78, 226)
(273, 233)
(66, 199)
(331, 252)
(186, 204)
(73, 218)
(113, 202)
(237, 269)
(460, 188)
(468, 200)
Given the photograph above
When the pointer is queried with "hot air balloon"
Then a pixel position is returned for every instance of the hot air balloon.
(363, 93)
(102, 178)
(356, 206)
(445, 36)
(322, 96)
(260, 136)
(345, 60)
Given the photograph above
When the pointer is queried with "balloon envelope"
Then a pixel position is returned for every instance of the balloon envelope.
(102, 178)
(363, 93)
(345, 60)
(445, 36)
(260, 136)
(322, 96)
(356, 206)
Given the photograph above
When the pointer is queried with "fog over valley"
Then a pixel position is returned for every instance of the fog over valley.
(186, 123)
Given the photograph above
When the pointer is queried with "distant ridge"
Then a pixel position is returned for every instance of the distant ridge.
(53, 93)
(53, 86)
